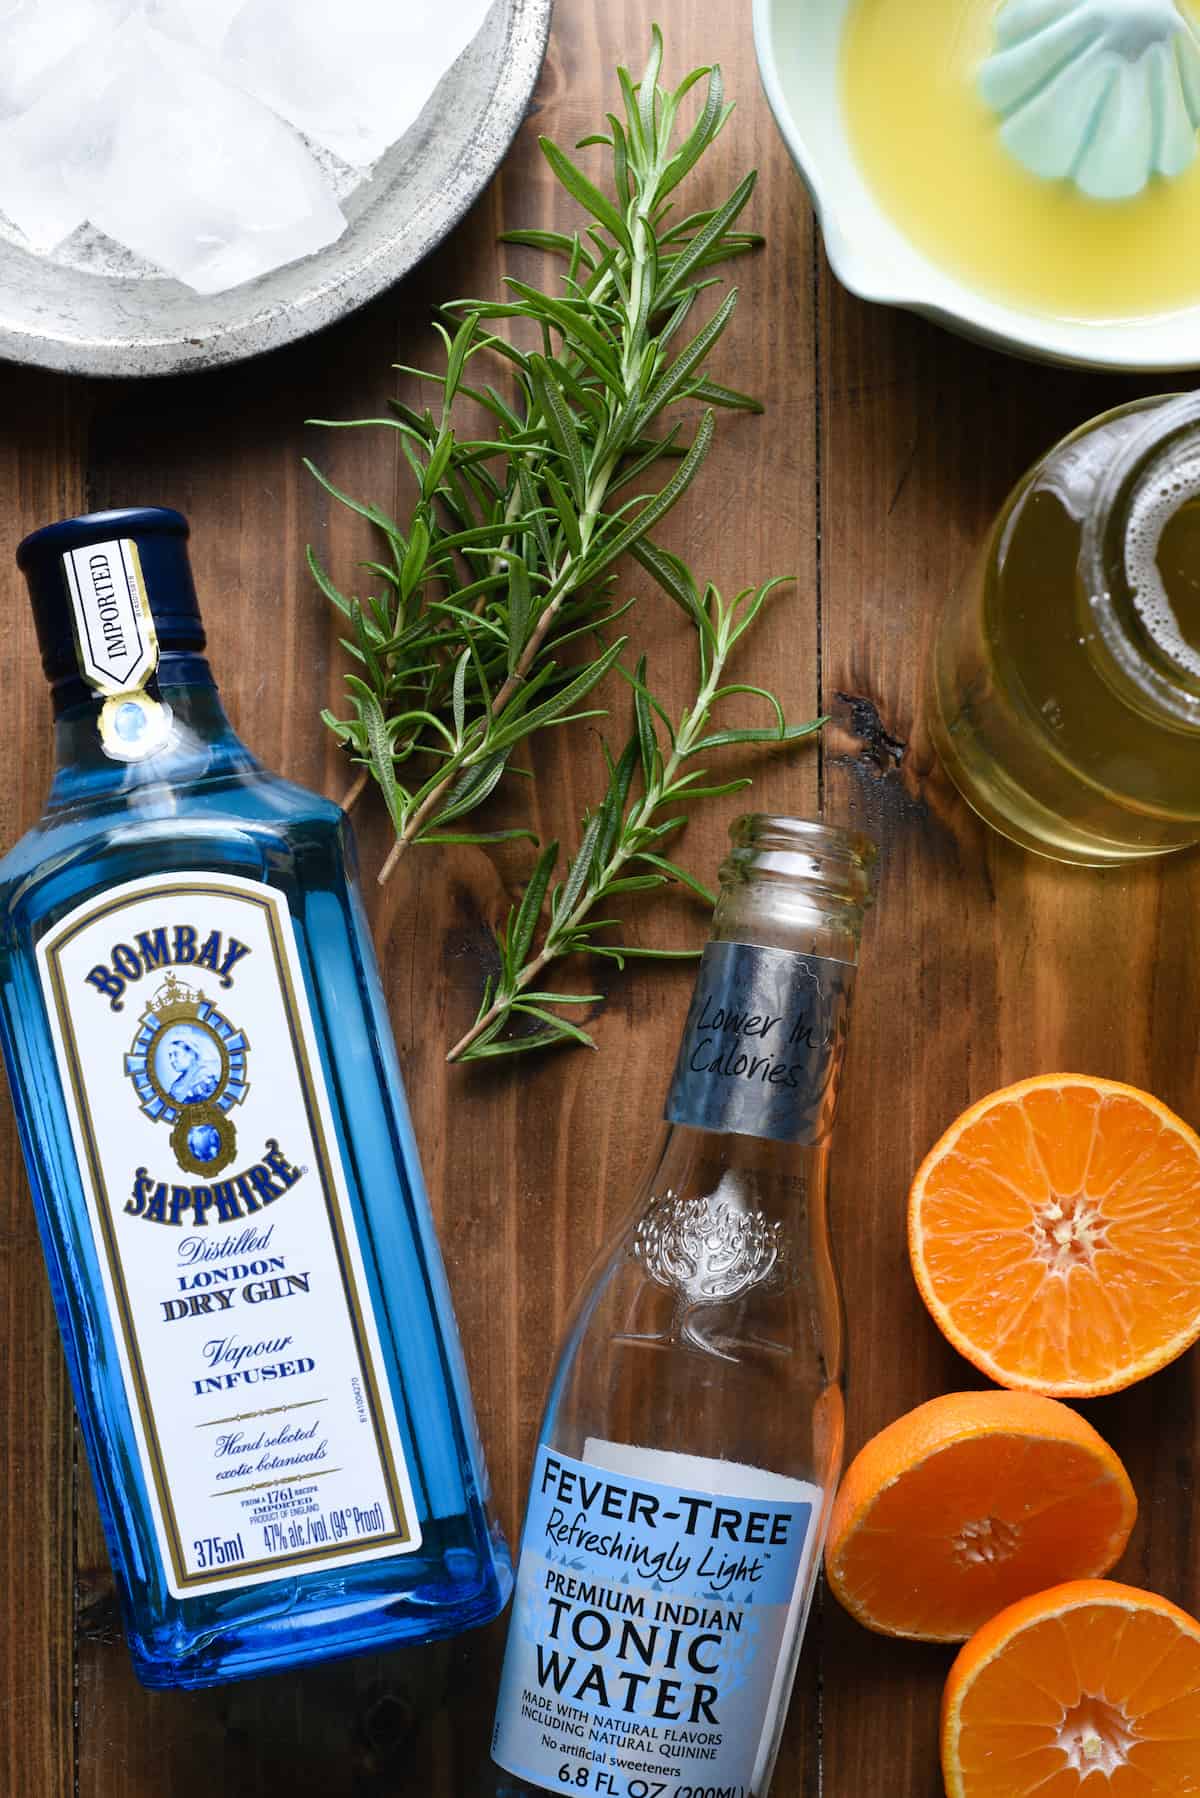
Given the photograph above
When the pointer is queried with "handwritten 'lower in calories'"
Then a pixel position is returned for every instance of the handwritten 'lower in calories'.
(732, 1060)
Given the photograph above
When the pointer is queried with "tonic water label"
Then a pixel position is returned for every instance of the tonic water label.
(659, 1600)
(226, 1243)
(763, 1045)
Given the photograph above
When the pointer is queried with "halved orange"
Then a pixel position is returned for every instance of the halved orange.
(968, 1503)
(1054, 1232)
(1089, 1687)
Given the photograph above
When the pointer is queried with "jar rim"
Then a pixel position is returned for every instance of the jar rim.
(1155, 676)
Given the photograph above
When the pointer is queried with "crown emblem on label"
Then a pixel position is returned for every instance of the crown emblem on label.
(175, 1000)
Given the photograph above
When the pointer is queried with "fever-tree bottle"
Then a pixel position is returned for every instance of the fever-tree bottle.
(692, 1440)
(251, 1298)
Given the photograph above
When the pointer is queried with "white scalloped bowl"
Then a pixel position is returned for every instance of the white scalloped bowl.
(798, 43)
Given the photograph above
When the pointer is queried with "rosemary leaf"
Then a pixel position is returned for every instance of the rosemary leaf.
(618, 837)
(512, 534)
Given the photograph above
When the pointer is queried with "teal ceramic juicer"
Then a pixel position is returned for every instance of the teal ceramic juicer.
(1103, 93)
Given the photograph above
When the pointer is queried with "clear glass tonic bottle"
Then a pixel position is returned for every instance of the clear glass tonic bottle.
(251, 1298)
(692, 1440)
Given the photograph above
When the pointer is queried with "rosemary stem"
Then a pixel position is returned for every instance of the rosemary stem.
(429, 806)
(510, 545)
(477, 1029)
(561, 588)
(563, 928)
(394, 853)
(355, 790)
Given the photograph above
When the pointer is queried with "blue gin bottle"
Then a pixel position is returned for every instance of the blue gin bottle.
(242, 1258)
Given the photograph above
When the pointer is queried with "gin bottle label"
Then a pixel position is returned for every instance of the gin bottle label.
(655, 1595)
(763, 1045)
(224, 1236)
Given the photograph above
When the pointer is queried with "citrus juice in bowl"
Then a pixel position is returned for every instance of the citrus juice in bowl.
(1025, 172)
(1065, 689)
(953, 170)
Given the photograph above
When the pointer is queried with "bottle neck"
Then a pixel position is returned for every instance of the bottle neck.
(800, 920)
(199, 743)
(762, 1050)
(793, 884)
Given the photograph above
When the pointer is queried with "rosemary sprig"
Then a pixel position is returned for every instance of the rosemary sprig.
(506, 556)
(621, 847)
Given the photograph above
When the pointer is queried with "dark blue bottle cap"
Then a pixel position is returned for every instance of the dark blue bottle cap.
(160, 538)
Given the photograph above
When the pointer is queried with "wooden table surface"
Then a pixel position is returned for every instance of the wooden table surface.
(886, 448)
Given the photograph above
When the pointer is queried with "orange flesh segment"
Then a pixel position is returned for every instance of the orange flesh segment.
(1091, 1686)
(969, 1502)
(981, 1525)
(1055, 1234)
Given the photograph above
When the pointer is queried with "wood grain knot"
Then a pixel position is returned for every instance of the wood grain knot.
(876, 743)
(97, 1616)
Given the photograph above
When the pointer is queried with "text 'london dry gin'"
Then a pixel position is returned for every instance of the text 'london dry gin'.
(251, 1299)
(692, 1441)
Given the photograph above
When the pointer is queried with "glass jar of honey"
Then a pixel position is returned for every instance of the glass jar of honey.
(1065, 700)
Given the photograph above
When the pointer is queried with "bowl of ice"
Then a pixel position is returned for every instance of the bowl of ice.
(1026, 172)
(190, 182)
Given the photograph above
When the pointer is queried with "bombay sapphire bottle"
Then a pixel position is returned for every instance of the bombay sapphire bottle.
(251, 1299)
(692, 1441)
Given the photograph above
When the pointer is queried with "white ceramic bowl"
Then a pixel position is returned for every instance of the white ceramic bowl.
(798, 44)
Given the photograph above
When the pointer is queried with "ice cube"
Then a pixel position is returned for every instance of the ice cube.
(36, 36)
(42, 148)
(200, 178)
(202, 22)
(354, 79)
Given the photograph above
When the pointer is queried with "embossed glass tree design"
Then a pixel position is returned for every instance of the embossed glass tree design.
(709, 1251)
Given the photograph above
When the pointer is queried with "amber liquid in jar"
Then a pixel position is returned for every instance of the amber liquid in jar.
(1066, 673)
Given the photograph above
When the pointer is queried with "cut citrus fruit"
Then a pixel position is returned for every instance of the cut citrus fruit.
(1054, 1233)
(1089, 1687)
(968, 1503)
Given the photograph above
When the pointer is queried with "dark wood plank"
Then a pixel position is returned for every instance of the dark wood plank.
(40, 473)
(984, 965)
